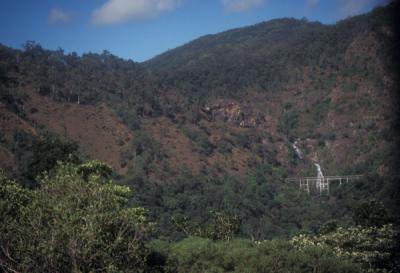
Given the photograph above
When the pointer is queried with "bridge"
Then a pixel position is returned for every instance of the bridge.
(321, 183)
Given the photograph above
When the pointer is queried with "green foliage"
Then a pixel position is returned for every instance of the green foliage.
(143, 144)
(200, 139)
(383, 188)
(78, 221)
(265, 204)
(328, 227)
(371, 213)
(13, 199)
(320, 110)
(349, 87)
(130, 118)
(224, 146)
(265, 57)
(47, 152)
(71, 223)
(142, 155)
(245, 64)
(11, 100)
(203, 255)
(288, 122)
(375, 248)
(222, 226)
(94, 168)
(266, 208)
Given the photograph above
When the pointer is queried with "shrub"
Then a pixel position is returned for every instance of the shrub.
(195, 255)
(71, 223)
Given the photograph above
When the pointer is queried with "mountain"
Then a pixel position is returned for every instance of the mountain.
(223, 103)
(218, 123)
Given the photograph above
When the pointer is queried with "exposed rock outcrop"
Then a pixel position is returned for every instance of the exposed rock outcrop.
(232, 112)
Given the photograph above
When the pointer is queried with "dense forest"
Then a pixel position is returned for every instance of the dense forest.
(179, 164)
(78, 220)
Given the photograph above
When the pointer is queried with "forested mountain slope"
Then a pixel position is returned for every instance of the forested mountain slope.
(217, 122)
(239, 97)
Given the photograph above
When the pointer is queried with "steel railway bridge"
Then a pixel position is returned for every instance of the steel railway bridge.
(321, 183)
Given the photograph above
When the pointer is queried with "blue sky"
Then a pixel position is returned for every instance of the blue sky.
(141, 29)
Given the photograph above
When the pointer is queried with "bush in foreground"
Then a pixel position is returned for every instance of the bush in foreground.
(198, 255)
(75, 221)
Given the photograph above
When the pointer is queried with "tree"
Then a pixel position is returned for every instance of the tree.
(47, 152)
(288, 121)
(194, 255)
(373, 247)
(222, 226)
(74, 222)
(371, 213)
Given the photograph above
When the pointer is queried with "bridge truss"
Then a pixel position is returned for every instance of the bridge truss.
(321, 183)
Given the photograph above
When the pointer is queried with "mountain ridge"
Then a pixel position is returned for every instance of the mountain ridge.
(305, 81)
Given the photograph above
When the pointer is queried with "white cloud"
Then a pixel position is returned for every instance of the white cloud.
(241, 5)
(120, 11)
(59, 16)
(312, 3)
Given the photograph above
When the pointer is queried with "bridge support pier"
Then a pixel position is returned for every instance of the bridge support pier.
(322, 184)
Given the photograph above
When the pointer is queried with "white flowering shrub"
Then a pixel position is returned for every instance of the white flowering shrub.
(373, 247)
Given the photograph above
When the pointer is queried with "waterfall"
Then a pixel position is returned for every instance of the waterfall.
(297, 150)
(320, 177)
(319, 171)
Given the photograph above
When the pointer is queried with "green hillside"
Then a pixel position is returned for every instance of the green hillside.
(205, 136)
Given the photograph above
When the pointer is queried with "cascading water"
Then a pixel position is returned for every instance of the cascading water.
(321, 184)
(319, 171)
(297, 150)
(320, 176)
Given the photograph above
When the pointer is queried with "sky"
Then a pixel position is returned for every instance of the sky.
(142, 29)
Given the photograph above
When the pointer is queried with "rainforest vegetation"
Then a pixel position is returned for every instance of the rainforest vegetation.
(179, 164)
(75, 217)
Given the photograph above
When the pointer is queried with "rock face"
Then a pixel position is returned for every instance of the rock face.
(232, 112)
